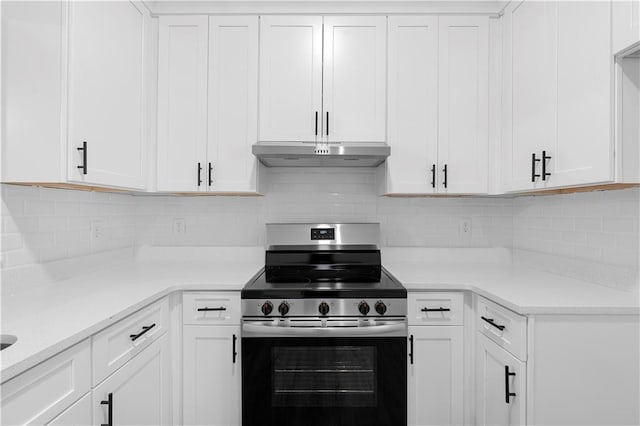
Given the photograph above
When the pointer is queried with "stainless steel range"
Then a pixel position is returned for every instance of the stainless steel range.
(324, 331)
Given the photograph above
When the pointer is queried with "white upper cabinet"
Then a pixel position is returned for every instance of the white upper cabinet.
(233, 103)
(207, 103)
(106, 58)
(354, 78)
(557, 95)
(306, 95)
(182, 102)
(463, 137)
(626, 24)
(413, 104)
(438, 105)
(290, 78)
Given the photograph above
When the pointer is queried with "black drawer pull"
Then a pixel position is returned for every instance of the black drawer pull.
(199, 174)
(83, 167)
(146, 328)
(411, 349)
(109, 404)
(206, 309)
(534, 160)
(507, 392)
(444, 182)
(210, 174)
(545, 157)
(316, 123)
(327, 123)
(490, 321)
(433, 176)
(435, 309)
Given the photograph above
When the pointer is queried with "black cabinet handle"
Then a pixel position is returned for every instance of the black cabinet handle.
(545, 157)
(444, 182)
(435, 309)
(83, 167)
(235, 353)
(433, 176)
(109, 404)
(534, 160)
(327, 123)
(316, 123)
(146, 328)
(507, 392)
(207, 309)
(199, 174)
(490, 321)
(210, 174)
(411, 349)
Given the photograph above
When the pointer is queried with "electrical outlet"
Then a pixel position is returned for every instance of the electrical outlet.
(464, 227)
(179, 226)
(96, 230)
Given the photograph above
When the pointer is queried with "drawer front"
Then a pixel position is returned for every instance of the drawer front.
(505, 327)
(211, 308)
(117, 344)
(43, 392)
(431, 308)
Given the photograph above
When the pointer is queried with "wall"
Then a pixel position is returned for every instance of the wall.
(594, 236)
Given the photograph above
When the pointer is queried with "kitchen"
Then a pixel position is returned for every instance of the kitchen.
(137, 192)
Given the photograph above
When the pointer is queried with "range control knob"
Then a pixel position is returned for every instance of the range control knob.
(363, 307)
(381, 308)
(266, 308)
(323, 308)
(283, 308)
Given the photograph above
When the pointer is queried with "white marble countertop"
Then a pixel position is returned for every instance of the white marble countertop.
(50, 317)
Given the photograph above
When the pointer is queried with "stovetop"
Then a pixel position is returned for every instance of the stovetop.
(387, 287)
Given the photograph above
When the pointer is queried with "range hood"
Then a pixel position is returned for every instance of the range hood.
(312, 154)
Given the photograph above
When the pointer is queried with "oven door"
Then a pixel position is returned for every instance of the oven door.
(351, 379)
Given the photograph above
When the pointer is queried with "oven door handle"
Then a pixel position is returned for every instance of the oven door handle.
(398, 329)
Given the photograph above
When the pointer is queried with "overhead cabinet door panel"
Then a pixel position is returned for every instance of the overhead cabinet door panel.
(463, 96)
(413, 104)
(106, 51)
(182, 102)
(354, 90)
(290, 77)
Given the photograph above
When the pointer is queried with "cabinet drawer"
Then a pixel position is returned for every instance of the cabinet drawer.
(211, 308)
(427, 308)
(43, 392)
(506, 328)
(117, 344)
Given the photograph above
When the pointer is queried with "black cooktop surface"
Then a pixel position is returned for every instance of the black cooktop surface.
(386, 287)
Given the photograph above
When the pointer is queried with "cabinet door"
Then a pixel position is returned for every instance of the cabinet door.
(626, 24)
(463, 143)
(79, 414)
(211, 375)
(290, 78)
(413, 104)
(583, 150)
(354, 78)
(233, 103)
(492, 377)
(435, 394)
(106, 51)
(141, 390)
(182, 102)
(529, 89)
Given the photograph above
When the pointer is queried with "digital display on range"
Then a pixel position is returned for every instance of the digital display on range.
(323, 233)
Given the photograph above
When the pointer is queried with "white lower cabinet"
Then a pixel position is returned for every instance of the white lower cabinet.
(500, 383)
(435, 381)
(211, 375)
(138, 393)
(79, 414)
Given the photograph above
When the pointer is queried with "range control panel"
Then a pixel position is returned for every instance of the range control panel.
(323, 233)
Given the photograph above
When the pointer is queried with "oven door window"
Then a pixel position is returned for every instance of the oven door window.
(325, 376)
